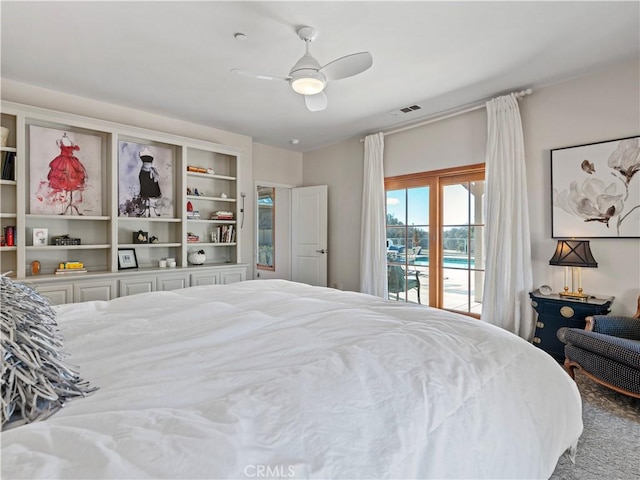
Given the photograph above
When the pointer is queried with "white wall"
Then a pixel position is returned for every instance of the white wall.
(601, 106)
(281, 169)
(340, 168)
(598, 106)
(276, 165)
(453, 142)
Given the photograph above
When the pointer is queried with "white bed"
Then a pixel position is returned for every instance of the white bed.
(273, 379)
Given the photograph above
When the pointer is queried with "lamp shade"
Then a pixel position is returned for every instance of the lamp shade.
(573, 253)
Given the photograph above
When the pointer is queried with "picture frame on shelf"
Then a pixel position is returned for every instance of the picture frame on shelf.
(593, 195)
(127, 258)
(40, 237)
(65, 171)
(145, 180)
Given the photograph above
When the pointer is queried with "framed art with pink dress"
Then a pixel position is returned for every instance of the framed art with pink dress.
(65, 172)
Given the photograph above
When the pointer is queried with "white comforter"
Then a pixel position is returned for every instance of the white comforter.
(272, 379)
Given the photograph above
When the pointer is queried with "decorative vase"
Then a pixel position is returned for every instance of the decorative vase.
(196, 257)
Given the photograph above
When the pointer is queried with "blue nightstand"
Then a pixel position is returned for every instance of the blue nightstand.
(555, 312)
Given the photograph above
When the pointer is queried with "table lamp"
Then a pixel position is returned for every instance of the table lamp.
(575, 254)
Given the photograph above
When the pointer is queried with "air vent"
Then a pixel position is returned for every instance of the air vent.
(406, 110)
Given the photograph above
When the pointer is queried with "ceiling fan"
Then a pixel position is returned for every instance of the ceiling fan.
(308, 78)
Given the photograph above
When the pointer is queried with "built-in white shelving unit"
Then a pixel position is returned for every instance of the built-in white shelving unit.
(109, 222)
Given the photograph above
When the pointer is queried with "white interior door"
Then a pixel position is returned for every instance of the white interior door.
(309, 235)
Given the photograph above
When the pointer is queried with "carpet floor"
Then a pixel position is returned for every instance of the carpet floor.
(609, 447)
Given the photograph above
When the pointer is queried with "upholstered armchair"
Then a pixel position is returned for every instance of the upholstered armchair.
(396, 277)
(607, 351)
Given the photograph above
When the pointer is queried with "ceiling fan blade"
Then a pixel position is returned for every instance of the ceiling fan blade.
(347, 66)
(317, 102)
(260, 76)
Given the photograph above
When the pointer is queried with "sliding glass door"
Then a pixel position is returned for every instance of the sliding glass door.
(435, 227)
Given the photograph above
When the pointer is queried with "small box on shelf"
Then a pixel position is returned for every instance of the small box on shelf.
(65, 240)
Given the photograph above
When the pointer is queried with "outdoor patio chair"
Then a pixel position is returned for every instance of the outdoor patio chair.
(396, 278)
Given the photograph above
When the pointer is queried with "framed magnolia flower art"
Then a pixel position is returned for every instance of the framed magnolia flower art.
(596, 190)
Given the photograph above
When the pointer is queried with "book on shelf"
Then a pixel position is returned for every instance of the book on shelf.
(225, 234)
(9, 166)
(70, 271)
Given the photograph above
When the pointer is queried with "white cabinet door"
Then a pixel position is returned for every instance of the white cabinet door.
(58, 294)
(99, 290)
(173, 281)
(233, 275)
(205, 278)
(135, 285)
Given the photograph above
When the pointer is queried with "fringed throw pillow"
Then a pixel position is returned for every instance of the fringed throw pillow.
(36, 381)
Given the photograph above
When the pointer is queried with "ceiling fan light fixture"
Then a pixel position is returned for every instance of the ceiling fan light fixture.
(308, 82)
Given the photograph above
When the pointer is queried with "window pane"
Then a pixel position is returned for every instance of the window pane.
(396, 242)
(455, 206)
(406, 284)
(266, 222)
(420, 242)
(455, 246)
(477, 202)
(396, 207)
(455, 289)
(462, 290)
(418, 208)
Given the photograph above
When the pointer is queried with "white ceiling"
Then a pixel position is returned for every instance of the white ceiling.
(175, 58)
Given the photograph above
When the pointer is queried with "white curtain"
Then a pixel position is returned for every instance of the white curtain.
(373, 253)
(508, 274)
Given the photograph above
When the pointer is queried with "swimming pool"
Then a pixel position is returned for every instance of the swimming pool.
(449, 262)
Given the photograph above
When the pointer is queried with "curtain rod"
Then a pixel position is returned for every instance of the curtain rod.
(436, 117)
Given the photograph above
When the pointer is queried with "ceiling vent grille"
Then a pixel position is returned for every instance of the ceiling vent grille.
(405, 110)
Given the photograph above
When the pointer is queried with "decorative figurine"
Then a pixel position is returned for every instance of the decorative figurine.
(196, 257)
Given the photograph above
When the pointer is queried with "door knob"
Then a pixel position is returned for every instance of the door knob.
(323, 251)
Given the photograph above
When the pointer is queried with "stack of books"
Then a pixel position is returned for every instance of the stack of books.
(192, 238)
(221, 215)
(70, 268)
(193, 214)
